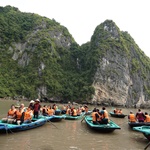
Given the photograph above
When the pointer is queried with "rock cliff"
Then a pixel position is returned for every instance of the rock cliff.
(40, 58)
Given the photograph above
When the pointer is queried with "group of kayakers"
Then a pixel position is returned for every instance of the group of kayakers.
(139, 116)
(100, 116)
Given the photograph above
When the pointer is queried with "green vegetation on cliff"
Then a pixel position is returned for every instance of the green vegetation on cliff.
(39, 57)
(47, 58)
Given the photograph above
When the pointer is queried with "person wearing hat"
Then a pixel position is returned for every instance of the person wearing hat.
(31, 105)
(36, 108)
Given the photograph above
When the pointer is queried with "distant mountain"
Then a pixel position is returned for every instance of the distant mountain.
(40, 58)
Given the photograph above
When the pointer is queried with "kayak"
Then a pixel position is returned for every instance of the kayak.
(5, 127)
(138, 124)
(109, 127)
(145, 130)
(117, 115)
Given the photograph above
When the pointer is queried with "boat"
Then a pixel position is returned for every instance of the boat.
(69, 117)
(109, 127)
(53, 118)
(5, 127)
(145, 130)
(57, 118)
(138, 124)
(57, 112)
(117, 115)
(47, 118)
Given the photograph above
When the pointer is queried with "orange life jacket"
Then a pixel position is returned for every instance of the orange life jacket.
(132, 118)
(27, 115)
(18, 115)
(68, 111)
(94, 116)
(11, 112)
(105, 114)
(50, 112)
(74, 112)
(147, 119)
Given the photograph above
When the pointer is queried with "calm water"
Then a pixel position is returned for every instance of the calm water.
(72, 135)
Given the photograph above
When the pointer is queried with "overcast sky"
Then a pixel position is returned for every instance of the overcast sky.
(81, 17)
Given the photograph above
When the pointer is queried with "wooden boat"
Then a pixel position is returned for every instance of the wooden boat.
(117, 115)
(5, 127)
(145, 130)
(110, 127)
(138, 124)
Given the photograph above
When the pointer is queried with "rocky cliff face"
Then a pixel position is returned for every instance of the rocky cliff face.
(121, 75)
(39, 58)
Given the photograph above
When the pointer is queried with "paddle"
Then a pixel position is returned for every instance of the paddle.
(52, 123)
(84, 117)
(147, 146)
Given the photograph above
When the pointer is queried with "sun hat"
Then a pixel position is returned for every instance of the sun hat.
(37, 100)
(32, 101)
